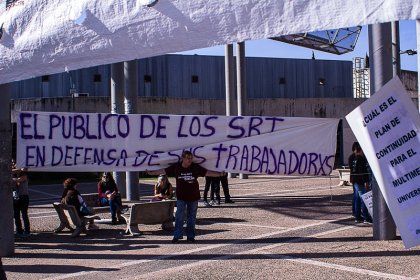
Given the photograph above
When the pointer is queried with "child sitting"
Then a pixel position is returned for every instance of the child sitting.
(163, 189)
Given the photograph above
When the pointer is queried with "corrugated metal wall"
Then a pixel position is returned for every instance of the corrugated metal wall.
(59, 85)
(203, 77)
(298, 78)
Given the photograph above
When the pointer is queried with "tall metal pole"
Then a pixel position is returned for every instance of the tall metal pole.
(241, 84)
(6, 202)
(240, 77)
(130, 101)
(396, 61)
(230, 80)
(380, 52)
(418, 60)
(117, 107)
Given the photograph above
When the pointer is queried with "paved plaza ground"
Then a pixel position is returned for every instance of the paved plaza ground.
(279, 228)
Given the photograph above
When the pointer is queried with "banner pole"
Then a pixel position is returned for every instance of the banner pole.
(380, 52)
(396, 60)
(130, 101)
(6, 204)
(117, 107)
(230, 82)
(241, 84)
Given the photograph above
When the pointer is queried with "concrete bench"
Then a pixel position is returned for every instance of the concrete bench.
(150, 213)
(70, 219)
(344, 175)
(91, 200)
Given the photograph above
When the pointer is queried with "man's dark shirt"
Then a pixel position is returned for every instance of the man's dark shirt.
(358, 169)
(187, 187)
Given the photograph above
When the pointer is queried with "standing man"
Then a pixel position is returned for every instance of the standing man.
(186, 173)
(225, 186)
(352, 157)
(208, 184)
(20, 200)
(215, 190)
(359, 177)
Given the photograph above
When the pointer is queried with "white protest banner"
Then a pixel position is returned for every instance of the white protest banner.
(368, 200)
(42, 37)
(110, 142)
(387, 127)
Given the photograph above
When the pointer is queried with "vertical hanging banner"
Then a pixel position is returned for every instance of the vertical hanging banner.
(110, 142)
(387, 128)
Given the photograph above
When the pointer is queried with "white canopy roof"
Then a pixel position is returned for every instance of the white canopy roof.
(50, 36)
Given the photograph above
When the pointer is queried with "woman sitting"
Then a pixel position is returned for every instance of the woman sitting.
(71, 196)
(163, 189)
(109, 195)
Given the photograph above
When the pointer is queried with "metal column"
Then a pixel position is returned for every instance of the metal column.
(230, 80)
(6, 203)
(380, 52)
(130, 101)
(241, 84)
(396, 61)
(117, 107)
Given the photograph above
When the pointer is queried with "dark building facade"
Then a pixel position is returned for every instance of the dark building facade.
(203, 77)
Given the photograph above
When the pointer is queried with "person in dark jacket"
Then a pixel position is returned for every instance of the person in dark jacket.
(71, 196)
(351, 158)
(20, 188)
(359, 177)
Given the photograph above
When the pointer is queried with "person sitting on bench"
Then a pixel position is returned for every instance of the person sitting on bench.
(109, 195)
(163, 189)
(71, 196)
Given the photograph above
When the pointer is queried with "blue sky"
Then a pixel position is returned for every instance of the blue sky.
(271, 48)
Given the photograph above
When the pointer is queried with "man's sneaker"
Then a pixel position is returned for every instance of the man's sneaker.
(26, 234)
(175, 240)
(367, 222)
(206, 204)
(214, 202)
(358, 221)
(19, 235)
(120, 220)
(191, 239)
(229, 201)
(125, 209)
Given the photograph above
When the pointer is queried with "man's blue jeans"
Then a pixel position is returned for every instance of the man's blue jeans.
(359, 205)
(191, 218)
(113, 206)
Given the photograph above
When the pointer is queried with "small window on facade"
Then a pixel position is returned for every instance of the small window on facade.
(147, 78)
(97, 78)
(194, 79)
(45, 78)
(282, 81)
(322, 81)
